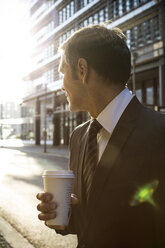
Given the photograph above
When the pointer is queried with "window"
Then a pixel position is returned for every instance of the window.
(96, 18)
(67, 11)
(150, 95)
(140, 36)
(90, 20)
(81, 4)
(148, 31)
(155, 28)
(139, 94)
(128, 7)
(143, 30)
(60, 17)
(135, 3)
(85, 23)
(114, 9)
(63, 37)
(101, 15)
(128, 35)
(145, 33)
(60, 40)
(134, 37)
(120, 7)
(64, 14)
(72, 8)
(68, 34)
(72, 30)
(106, 14)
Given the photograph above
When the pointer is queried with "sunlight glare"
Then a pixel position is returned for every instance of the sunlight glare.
(15, 46)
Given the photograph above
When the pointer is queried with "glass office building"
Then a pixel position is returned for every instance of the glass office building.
(52, 22)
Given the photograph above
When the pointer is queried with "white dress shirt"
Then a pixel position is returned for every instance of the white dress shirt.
(109, 117)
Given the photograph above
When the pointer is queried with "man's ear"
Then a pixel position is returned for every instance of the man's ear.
(83, 69)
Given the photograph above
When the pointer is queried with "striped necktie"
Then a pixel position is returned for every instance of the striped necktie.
(91, 157)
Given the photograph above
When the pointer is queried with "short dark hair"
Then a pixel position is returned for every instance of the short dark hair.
(105, 50)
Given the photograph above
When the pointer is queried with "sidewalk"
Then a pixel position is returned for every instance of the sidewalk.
(4, 243)
(10, 238)
(29, 146)
(50, 150)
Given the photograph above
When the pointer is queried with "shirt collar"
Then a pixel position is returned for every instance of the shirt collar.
(111, 114)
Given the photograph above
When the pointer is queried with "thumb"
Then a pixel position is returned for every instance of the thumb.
(74, 199)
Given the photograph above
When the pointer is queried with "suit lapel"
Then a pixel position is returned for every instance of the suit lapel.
(118, 138)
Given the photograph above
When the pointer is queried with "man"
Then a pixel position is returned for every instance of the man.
(119, 163)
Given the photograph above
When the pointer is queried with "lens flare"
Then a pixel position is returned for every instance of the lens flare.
(144, 194)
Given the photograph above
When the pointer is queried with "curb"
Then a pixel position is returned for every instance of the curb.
(15, 239)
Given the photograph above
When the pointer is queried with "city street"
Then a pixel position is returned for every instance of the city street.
(20, 180)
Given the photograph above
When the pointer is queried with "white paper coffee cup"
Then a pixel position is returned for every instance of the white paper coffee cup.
(59, 184)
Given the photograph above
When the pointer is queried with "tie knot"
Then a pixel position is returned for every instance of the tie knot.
(95, 126)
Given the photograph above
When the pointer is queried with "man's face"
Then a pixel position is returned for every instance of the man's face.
(73, 88)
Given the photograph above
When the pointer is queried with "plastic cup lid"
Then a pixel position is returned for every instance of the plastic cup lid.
(58, 173)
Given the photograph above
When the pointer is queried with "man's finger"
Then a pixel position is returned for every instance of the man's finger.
(47, 216)
(46, 207)
(44, 197)
(74, 199)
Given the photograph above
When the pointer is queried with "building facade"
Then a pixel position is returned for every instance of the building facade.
(10, 120)
(52, 22)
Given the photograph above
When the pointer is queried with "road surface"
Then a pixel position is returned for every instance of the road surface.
(20, 180)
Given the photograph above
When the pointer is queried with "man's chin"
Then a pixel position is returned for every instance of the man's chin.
(73, 108)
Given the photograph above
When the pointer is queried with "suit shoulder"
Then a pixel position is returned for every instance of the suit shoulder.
(81, 127)
(155, 117)
(78, 132)
(152, 125)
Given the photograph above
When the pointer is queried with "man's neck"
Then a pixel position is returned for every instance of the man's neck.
(101, 100)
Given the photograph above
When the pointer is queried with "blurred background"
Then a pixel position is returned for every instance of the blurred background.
(31, 101)
(35, 122)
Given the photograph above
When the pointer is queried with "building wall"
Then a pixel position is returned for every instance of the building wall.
(142, 21)
(10, 113)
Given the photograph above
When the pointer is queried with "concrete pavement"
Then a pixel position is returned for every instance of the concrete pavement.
(4, 243)
(9, 237)
(29, 146)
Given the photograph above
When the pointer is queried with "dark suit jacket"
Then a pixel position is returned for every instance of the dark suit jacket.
(126, 206)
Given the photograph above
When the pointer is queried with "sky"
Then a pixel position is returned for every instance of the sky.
(15, 47)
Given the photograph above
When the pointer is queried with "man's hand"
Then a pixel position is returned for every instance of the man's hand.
(47, 208)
